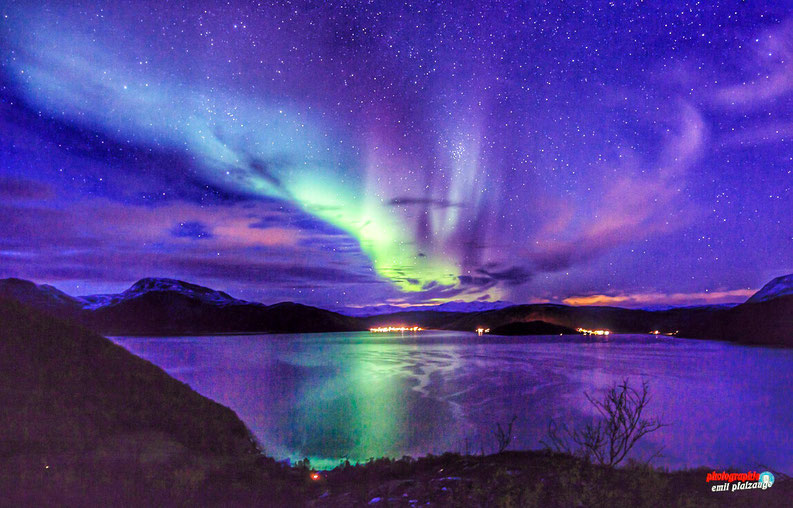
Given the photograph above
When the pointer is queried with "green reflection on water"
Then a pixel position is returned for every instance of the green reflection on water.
(359, 413)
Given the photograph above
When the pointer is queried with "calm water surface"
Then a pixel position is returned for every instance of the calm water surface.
(361, 395)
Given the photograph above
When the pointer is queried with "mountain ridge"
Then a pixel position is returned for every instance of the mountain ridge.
(155, 306)
(152, 284)
(778, 287)
(162, 306)
(41, 296)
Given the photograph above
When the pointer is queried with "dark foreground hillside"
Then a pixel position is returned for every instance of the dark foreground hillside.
(532, 479)
(86, 422)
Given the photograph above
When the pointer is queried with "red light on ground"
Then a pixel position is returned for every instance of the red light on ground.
(315, 476)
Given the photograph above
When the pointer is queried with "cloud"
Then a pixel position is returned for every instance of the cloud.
(470, 280)
(648, 299)
(191, 229)
(281, 272)
(768, 71)
(645, 201)
(21, 189)
(99, 240)
(408, 201)
(102, 221)
(298, 220)
(761, 133)
(471, 286)
(511, 276)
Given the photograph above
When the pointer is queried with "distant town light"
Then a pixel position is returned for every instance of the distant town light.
(481, 331)
(384, 329)
(593, 332)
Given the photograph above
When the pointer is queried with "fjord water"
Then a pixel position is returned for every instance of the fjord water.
(359, 395)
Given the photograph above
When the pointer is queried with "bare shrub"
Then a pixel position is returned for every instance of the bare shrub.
(608, 439)
(504, 436)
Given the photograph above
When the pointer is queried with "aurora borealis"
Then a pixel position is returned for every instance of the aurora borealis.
(354, 153)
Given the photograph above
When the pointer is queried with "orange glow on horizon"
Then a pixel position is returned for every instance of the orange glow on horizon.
(639, 299)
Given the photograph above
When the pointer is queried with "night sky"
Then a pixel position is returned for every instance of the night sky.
(354, 153)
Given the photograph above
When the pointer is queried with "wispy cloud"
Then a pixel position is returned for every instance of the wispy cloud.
(649, 299)
(408, 201)
(644, 199)
(767, 73)
(19, 189)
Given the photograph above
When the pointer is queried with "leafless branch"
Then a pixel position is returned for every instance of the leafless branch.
(504, 437)
(609, 439)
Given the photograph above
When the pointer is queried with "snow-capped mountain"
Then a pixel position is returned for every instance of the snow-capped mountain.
(173, 307)
(152, 284)
(781, 286)
(91, 302)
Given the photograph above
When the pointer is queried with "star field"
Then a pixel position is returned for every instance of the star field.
(350, 153)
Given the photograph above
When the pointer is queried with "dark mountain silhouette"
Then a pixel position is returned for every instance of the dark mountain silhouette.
(610, 318)
(171, 307)
(423, 318)
(532, 328)
(764, 322)
(174, 313)
(39, 296)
